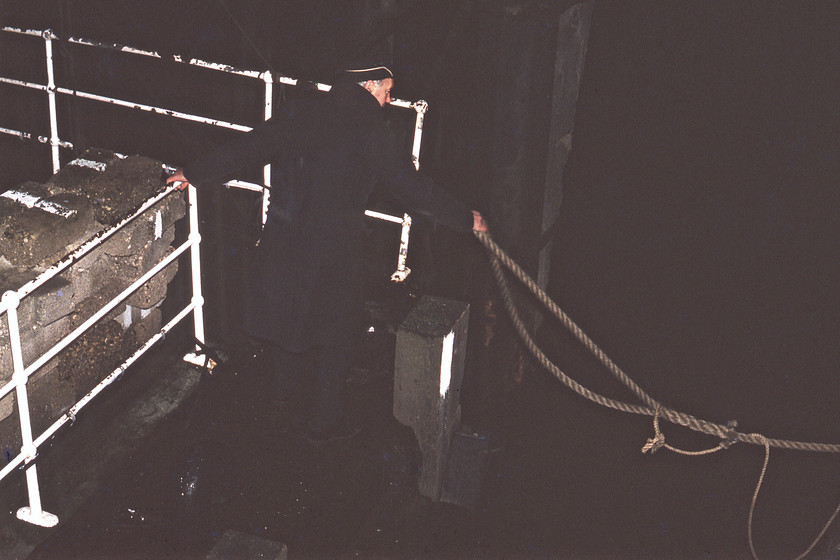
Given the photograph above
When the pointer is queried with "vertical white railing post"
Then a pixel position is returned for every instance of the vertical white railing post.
(54, 139)
(34, 512)
(269, 105)
(195, 264)
(403, 271)
(421, 107)
(197, 300)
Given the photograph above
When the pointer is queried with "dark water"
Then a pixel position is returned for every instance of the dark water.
(697, 245)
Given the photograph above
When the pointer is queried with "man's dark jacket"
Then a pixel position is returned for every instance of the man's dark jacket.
(327, 153)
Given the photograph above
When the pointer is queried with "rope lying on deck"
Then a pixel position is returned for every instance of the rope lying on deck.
(649, 406)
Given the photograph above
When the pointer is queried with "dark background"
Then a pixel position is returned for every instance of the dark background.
(698, 230)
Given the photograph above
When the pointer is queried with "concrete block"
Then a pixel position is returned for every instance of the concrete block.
(87, 274)
(428, 369)
(12, 278)
(131, 239)
(233, 545)
(152, 292)
(42, 223)
(37, 228)
(466, 468)
(136, 177)
(37, 340)
(54, 389)
(49, 303)
(145, 322)
(5, 360)
(7, 406)
(156, 225)
(155, 250)
(168, 211)
(80, 171)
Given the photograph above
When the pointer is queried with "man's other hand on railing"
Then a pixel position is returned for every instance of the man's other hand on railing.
(178, 178)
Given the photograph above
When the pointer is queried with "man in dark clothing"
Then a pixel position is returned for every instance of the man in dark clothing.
(327, 153)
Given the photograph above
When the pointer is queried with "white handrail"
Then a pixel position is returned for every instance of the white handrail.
(420, 107)
(10, 301)
(9, 304)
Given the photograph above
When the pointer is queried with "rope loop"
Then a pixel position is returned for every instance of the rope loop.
(728, 433)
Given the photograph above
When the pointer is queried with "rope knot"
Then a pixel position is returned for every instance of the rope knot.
(731, 435)
(654, 444)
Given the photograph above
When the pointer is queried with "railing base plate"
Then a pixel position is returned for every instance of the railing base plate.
(400, 275)
(43, 520)
(200, 360)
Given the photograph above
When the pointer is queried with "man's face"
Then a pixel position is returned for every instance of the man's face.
(382, 92)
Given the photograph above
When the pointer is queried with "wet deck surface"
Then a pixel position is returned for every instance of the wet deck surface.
(565, 480)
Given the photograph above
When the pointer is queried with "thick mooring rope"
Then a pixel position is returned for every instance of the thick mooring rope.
(727, 433)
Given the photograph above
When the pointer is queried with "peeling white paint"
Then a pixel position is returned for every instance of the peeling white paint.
(158, 225)
(153, 109)
(446, 363)
(24, 135)
(225, 68)
(31, 32)
(22, 83)
(114, 46)
(31, 201)
(55, 141)
(125, 317)
(26, 199)
(81, 162)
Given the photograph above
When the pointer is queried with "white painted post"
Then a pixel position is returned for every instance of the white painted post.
(195, 263)
(34, 513)
(269, 104)
(421, 107)
(403, 271)
(55, 141)
(195, 273)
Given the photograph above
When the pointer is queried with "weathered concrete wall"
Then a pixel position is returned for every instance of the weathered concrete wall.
(42, 223)
(540, 61)
(572, 42)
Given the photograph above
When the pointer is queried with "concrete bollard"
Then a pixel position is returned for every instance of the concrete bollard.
(428, 369)
(233, 544)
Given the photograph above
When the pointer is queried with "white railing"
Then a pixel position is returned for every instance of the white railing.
(9, 304)
(34, 512)
(268, 79)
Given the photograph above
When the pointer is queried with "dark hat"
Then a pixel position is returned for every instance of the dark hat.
(369, 61)
(372, 73)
